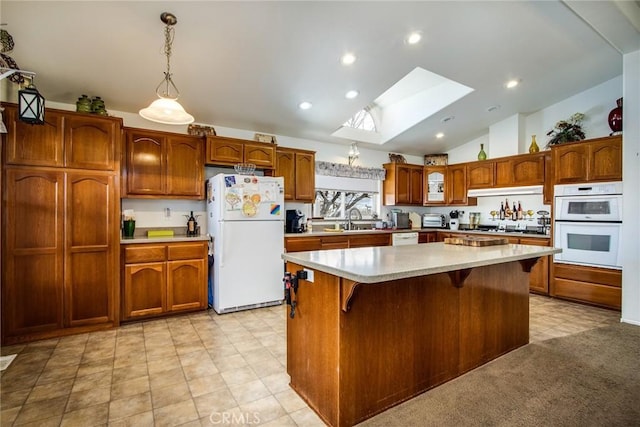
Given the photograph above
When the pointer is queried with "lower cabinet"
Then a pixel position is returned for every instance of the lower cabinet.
(163, 278)
(592, 285)
(427, 236)
(344, 241)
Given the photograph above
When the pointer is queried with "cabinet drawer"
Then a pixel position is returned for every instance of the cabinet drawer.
(601, 276)
(298, 244)
(186, 251)
(602, 295)
(147, 253)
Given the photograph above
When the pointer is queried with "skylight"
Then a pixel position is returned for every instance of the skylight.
(417, 96)
(361, 120)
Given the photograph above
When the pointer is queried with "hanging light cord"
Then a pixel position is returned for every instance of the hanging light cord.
(169, 32)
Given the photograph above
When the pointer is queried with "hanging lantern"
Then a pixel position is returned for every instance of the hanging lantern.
(31, 105)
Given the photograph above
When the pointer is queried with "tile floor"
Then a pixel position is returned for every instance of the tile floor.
(195, 370)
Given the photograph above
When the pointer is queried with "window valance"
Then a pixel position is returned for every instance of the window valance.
(342, 170)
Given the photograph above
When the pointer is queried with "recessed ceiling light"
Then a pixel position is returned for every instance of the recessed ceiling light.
(493, 108)
(439, 135)
(305, 105)
(351, 94)
(447, 119)
(512, 83)
(348, 59)
(414, 37)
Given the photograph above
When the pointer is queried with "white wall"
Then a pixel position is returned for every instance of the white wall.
(505, 136)
(631, 184)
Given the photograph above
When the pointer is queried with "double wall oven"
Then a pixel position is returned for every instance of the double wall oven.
(588, 224)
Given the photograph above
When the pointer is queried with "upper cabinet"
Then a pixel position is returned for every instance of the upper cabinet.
(67, 139)
(162, 164)
(456, 186)
(402, 184)
(297, 167)
(597, 159)
(521, 170)
(481, 174)
(231, 151)
(434, 185)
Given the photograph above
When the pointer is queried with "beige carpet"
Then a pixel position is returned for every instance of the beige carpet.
(588, 379)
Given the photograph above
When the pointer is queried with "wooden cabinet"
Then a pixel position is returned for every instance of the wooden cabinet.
(297, 167)
(62, 273)
(427, 236)
(402, 184)
(60, 221)
(592, 285)
(161, 164)
(224, 151)
(456, 186)
(163, 278)
(588, 161)
(343, 241)
(539, 276)
(521, 170)
(67, 139)
(547, 191)
(434, 185)
(481, 174)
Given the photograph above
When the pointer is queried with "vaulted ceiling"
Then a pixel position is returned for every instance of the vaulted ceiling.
(248, 65)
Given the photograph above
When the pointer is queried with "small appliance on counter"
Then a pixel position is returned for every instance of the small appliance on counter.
(400, 219)
(454, 222)
(294, 221)
(432, 220)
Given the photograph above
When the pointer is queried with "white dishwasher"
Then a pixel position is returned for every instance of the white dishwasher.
(398, 239)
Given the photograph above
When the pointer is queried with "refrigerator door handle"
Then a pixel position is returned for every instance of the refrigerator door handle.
(221, 237)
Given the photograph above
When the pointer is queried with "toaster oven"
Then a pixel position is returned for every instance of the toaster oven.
(433, 221)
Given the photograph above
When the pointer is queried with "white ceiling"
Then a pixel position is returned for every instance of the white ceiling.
(248, 65)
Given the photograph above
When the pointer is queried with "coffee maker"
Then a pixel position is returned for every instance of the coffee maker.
(294, 221)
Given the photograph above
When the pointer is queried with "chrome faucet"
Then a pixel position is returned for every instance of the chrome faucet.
(349, 217)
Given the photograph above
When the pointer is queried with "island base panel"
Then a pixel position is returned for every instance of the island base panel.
(399, 338)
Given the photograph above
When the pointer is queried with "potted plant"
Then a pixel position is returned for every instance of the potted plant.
(567, 130)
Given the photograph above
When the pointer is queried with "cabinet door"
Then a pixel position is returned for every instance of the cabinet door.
(90, 142)
(457, 184)
(227, 151)
(32, 269)
(185, 166)
(527, 169)
(261, 155)
(286, 168)
(415, 197)
(403, 185)
(305, 177)
(539, 276)
(369, 240)
(605, 160)
(145, 290)
(570, 163)
(186, 285)
(434, 178)
(145, 163)
(547, 192)
(481, 174)
(427, 237)
(91, 253)
(37, 145)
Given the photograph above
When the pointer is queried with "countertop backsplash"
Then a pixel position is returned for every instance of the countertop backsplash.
(166, 213)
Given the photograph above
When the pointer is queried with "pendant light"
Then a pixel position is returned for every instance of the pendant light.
(167, 109)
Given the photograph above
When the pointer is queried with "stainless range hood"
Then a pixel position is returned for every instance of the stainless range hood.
(505, 191)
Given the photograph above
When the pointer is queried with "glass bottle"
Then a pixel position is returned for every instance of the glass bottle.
(482, 155)
(191, 225)
(533, 148)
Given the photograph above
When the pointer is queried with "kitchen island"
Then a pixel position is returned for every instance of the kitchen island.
(376, 326)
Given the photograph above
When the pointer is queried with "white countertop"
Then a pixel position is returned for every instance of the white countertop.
(384, 263)
(420, 230)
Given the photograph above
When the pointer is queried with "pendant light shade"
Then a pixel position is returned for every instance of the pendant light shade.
(167, 109)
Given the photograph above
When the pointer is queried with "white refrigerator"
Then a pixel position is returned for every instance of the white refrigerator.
(245, 217)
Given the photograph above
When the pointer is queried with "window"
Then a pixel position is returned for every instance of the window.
(336, 204)
(361, 120)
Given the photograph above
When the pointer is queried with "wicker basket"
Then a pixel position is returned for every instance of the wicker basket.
(245, 168)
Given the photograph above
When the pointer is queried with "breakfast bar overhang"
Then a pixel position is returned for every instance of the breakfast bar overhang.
(373, 327)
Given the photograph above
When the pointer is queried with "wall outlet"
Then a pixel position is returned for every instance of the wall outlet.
(167, 213)
(309, 275)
